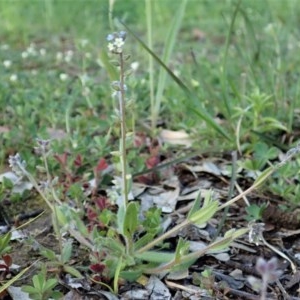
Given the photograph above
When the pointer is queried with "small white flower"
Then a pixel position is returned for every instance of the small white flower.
(42, 52)
(63, 76)
(119, 43)
(7, 63)
(4, 47)
(83, 42)
(69, 55)
(24, 54)
(59, 56)
(13, 78)
(31, 50)
(134, 66)
(34, 72)
(111, 47)
(88, 55)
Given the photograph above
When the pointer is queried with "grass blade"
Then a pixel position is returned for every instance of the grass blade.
(196, 107)
(168, 49)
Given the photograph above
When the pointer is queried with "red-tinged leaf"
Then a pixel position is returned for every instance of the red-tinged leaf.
(101, 202)
(78, 161)
(7, 259)
(62, 158)
(140, 140)
(152, 162)
(97, 268)
(91, 214)
(102, 165)
(145, 179)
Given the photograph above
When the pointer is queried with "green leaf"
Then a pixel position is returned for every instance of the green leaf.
(131, 275)
(144, 240)
(131, 219)
(196, 106)
(7, 183)
(72, 271)
(263, 176)
(60, 212)
(38, 282)
(204, 214)
(168, 49)
(4, 241)
(49, 254)
(115, 246)
(117, 274)
(56, 295)
(66, 251)
(228, 238)
(110, 68)
(121, 219)
(156, 256)
(29, 289)
(50, 284)
(196, 205)
(182, 248)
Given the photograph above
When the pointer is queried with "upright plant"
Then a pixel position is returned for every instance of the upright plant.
(115, 46)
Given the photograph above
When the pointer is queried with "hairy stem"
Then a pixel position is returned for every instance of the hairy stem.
(123, 132)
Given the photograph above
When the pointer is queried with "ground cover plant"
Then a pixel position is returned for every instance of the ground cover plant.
(149, 150)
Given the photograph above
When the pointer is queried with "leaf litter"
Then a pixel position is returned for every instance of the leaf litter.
(230, 267)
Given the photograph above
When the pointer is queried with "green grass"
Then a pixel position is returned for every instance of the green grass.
(261, 53)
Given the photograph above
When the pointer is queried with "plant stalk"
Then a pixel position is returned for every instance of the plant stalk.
(164, 236)
(123, 131)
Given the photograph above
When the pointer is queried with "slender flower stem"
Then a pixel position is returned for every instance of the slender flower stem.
(55, 217)
(35, 184)
(123, 130)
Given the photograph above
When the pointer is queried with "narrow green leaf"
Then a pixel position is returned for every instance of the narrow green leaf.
(182, 248)
(224, 77)
(228, 238)
(105, 63)
(263, 176)
(72, 271)
(220, 244)
(38, 282)
(156, 256)
(168, 49)
(50, 284)
(204, 214)
(4, 241)
(66, 251)
(29, 289)
(117, 274)
(196, 107)
(131, 219)
(239, 232)
(121, 219)
(49, 254)
(196, 205)
(131, 275)
(142, 241)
